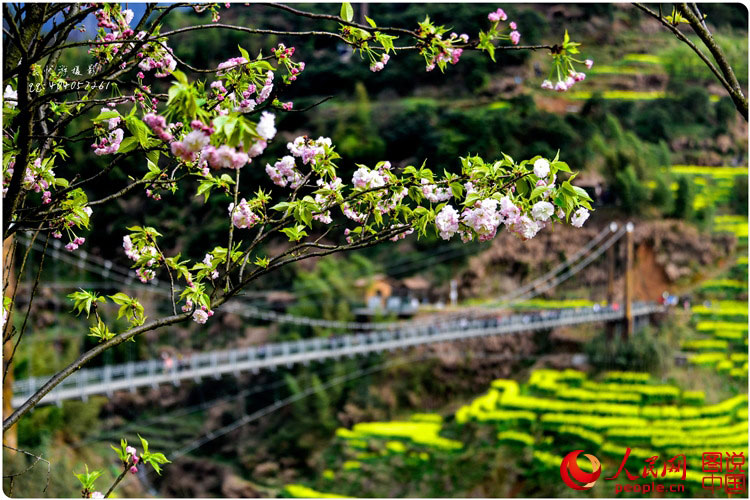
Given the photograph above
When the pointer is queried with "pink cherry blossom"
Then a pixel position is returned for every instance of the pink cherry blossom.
(364, 178)
(266, 127)
(435, 193)
(447, 222)
(225, 157)
(509, 211)
(541, 168)
(242, 216)
(542, 210)
(200, 316)
(257, 149)
(483, 219)
(232, 63)
(579, 217)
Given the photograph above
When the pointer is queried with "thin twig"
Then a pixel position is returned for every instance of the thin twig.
(9, 360)
(37, 458)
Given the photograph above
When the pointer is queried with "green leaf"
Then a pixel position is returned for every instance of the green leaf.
(180, 77)
(106, 115)
(568, 188)
(144, 443)
(306, 216)
(370, 22)
(347, 13)
(244, 53)
(101, 331)
(561, 165)
(281, 207)
(537, 192)
(138, 129)
(582, 193)
(87, 478)
(120, 298)
(128, 144)
(522, 187)
(457, 189)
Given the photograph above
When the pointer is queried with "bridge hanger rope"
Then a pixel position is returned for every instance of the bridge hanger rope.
(522, 290)
(510, 298)
(575, 269)
(253, 312)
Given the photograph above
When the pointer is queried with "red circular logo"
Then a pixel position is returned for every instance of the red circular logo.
(569, 467)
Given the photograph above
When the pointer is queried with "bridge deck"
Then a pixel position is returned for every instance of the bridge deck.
(130, 376)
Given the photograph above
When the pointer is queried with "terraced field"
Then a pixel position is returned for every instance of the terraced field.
(720, 322)
(714, 187)
(538, 422)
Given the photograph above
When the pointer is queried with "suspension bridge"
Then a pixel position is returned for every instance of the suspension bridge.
(359, 339)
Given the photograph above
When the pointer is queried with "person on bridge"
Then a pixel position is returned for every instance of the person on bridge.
(168, 361)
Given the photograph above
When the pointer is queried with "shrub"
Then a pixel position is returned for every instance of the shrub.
(644, 351)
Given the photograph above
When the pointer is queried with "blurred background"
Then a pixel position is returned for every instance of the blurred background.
(658, 143)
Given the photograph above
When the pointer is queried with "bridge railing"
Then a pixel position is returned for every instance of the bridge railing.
(110, 378)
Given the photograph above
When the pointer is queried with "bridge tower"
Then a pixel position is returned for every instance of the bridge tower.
(611, 271)
(628, 331)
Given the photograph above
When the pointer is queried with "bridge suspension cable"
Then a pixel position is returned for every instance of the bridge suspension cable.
(534, 292)
(252, 312)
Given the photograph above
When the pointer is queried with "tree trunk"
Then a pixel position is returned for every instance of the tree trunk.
(10, 436)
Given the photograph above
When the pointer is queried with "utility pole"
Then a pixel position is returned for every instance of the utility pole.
(628, 280)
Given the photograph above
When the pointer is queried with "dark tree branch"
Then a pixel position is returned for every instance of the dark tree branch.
(329, 17)
(738, 100)
(700, 28)
(85, 358)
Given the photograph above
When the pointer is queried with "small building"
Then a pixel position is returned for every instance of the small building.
(383, 295)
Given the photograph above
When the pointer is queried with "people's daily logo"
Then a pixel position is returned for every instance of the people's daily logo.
(573, 476)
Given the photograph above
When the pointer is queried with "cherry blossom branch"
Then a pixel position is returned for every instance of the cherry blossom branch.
(11, 198)
(277, 263)
(20, 224)
(117, 481)
(169, 273)
(138, 42)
